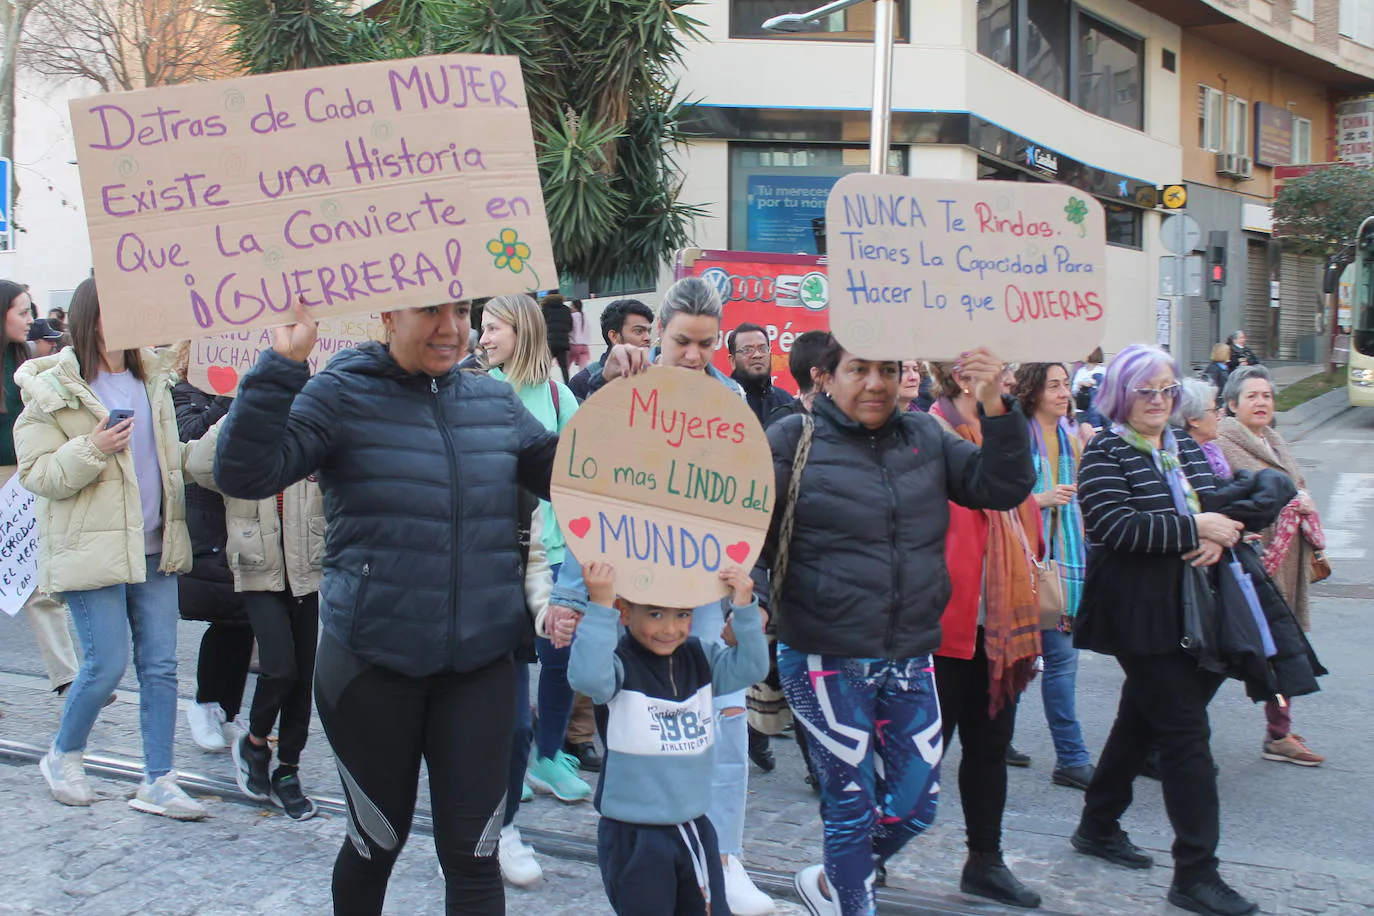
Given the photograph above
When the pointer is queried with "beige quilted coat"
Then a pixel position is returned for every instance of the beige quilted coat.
(90, 521)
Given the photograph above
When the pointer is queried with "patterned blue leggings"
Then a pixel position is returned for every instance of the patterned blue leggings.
(875, 796)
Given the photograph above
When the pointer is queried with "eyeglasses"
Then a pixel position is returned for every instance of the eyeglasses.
(754, 350)
(1168, 393)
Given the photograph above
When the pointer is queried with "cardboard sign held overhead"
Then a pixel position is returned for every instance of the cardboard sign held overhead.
(218, 363)
(364, 188)
(924, 268)
(668, 476)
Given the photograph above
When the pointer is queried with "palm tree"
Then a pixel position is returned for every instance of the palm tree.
(603, 101)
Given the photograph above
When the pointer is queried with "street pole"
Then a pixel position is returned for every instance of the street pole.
(880, 125)
(884, 33)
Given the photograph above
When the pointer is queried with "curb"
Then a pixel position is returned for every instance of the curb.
(547, 842)
(1306, 418)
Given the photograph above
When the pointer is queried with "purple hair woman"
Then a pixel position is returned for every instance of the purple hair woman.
(1141, 489)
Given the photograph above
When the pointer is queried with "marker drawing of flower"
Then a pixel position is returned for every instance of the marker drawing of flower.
(510, 253)
(1077, 211)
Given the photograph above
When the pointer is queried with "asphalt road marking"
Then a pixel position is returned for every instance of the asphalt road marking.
(1349, 513)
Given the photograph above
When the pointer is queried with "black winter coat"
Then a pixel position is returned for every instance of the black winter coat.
(763, 396)
(422, 568)
(207, 591)
(866, 573)
(558, 320)
(1216, 374)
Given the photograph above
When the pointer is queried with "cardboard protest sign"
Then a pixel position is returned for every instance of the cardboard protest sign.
(217, 363)
(213, 206)
(668, 476)
(924, 268)
(19, 550)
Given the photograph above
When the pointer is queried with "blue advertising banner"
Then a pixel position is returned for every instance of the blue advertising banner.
(781, 208)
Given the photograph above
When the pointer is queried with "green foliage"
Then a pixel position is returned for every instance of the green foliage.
(602, 100)
(1320, 212)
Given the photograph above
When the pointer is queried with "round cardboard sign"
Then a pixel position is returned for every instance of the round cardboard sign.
(666, 475)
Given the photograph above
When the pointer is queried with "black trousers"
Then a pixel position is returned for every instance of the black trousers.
(648, 870)
(381, 724)
(1163, 702)
(963, 689)
(222, 666)
(287, 629)
(561, 357)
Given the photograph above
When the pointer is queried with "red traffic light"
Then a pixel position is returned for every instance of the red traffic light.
(1218, 273)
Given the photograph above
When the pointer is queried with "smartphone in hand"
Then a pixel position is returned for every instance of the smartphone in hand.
(118, 415)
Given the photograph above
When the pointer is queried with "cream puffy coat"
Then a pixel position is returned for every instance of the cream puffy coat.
(267, 552)
(90, 518)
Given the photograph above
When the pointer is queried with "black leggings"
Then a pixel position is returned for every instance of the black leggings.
(287, 629)
(226, 650)
(380, 724)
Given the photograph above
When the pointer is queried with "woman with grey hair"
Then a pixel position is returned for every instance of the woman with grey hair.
(1249, 442)
(1198, 413)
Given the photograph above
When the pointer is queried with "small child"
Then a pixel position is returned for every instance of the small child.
(653, 688)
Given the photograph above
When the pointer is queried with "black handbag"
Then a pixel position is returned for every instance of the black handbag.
(1199, 616)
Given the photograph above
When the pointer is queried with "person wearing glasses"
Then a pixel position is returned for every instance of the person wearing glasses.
(1143, 490)
(751, 355)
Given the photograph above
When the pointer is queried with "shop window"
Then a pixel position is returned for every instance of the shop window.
(1210, 110)
(1123, 225)
(776, 191)
(1111, 72)
(1302, 141)
(1048, 41)
(856, 23)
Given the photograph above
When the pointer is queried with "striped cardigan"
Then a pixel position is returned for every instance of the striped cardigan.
(1131, 590)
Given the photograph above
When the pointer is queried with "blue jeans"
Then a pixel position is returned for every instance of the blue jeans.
(730, 768)
(555, 699)
(874, 730)
(104, 618)
(520, 744)
(1057, 685)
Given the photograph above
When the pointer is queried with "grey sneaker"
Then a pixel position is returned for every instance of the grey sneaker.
(164, 797)
(66, 777)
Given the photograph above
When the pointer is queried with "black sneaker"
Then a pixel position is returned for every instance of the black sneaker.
(288, 795)
(1073, 777)
(250, 768)
(1212, 897)
(1017, 759)
(760, 752)
(585, 752)
(1117, 849)
(986, 875)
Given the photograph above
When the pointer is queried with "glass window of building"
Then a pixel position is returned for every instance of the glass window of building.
(1237, 126)
(997, 32)
(1357, 21)
(776, 191)
(1302, 141)
(1304, 9)
(1046, 60)
(1123, 225)
(856, 23)
(1111, 72)
(1210, 108)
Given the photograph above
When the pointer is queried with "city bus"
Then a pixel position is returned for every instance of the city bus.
(1360, 381)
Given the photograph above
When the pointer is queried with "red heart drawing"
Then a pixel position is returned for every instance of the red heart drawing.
(580, 526)
(222, 378)
(738, 552)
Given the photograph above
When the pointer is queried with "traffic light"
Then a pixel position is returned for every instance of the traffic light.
(1216, 264)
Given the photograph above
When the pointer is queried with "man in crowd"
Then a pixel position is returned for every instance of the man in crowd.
(752, 358)
(802, 364)
(624, 321)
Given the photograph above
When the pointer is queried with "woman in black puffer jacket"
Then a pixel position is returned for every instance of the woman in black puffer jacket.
(858, 608)
(207, 591)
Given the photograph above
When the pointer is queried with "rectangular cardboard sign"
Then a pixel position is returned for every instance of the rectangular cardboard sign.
(218, 363)
(364, 188)
(926, 269)
(19, 553)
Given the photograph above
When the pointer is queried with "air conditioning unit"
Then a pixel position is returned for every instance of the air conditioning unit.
(1245, 168)
(1235, 165)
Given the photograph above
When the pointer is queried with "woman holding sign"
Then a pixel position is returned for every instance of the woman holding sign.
(689, 331)
(422, 600)
(97, 443)
(858, 589)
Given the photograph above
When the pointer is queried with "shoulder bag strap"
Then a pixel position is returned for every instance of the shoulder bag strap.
(789, 514)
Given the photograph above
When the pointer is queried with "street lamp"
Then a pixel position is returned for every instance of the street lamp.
(884, 18)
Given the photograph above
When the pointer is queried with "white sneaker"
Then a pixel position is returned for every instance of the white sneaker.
(518, 865)
(808, 885)
(744, 898)
(232, 731)
(66, 777)
(207, 721)
(163, 796)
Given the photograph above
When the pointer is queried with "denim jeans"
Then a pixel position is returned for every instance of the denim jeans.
(520, 744)
(730, 769)
(104, 618)
(1057, 685)
(555, 697)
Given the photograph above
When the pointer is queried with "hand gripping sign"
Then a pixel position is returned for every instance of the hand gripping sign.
(930, 268)
(213, 206)
(666, 475)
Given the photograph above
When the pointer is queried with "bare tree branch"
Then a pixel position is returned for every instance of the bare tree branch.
(128, 44)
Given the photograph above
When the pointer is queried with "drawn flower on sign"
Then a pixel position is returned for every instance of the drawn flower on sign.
(1077, 211)
(510, 253)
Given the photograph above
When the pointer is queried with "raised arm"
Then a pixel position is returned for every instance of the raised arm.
(197, 411)
(593, 666)
(736, 667)
(1000, 474)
